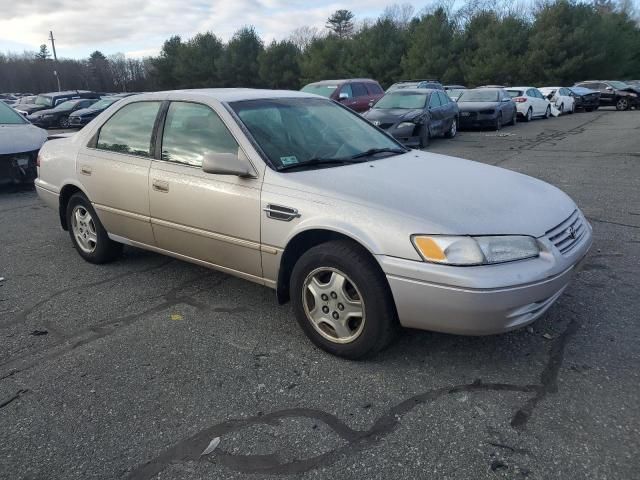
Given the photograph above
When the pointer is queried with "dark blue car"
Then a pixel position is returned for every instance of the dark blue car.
(80, 118)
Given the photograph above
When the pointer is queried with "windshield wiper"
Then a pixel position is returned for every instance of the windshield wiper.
(319, 161)
(374, 151)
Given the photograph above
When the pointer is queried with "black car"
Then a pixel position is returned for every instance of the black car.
(413, 115)
(486, 107)
(46, 101)
(81, 117)
(586, 99)
(614, 93)
(59, 116)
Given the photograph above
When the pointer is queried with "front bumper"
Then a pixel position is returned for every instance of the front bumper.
(476, 119)
(408, 136)
(17, 168)
(41, 121)
(480, 300)
(79, 121)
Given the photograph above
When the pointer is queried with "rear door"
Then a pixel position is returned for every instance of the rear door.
(114, 170)
(375, 92)
(208, 217)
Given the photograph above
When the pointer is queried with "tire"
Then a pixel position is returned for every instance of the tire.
(63, 122)
(363, 280)
(498, 125)
(424, 136)
(514, 120)
(588, 109)
(561, 108)
(573, 109)
(622, 104)
(547, 113)
(529, 116)
(89, 237)
(453, 129)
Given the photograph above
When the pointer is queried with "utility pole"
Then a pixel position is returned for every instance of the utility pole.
(55, 58)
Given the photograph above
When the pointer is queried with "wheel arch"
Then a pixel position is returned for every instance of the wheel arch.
(301, 242)
(66, 192)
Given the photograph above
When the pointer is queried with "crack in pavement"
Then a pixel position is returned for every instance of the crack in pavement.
(15, 397)
(356, 440)
(598, 220)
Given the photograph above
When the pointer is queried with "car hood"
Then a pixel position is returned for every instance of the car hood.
(439, 194)
(391, 115)
(21, 138)
(477, 106)
(87, 111)
(49, 111)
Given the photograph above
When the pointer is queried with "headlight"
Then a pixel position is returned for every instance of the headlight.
(458, 250)
(406, 124)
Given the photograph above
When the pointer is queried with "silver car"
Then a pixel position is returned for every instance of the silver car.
(295, 192)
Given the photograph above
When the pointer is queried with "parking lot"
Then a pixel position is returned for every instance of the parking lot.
(129, 370)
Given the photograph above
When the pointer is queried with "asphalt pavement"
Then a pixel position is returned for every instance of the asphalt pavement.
(131, 369)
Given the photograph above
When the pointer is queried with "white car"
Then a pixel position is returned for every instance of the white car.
(530, 102)
(561, 98)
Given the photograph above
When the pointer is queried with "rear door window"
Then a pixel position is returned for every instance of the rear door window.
(359, 90)
(129, 130)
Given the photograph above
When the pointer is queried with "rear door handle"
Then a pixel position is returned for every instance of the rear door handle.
(86, 170)
(160, 186)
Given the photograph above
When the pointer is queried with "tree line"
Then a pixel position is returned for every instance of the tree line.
(484, 41)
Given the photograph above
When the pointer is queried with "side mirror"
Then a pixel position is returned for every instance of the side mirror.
(343, 96)
(226, 164)
(609, 89)
(371, 103)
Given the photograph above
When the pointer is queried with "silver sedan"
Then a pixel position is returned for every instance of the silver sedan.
(297, 193)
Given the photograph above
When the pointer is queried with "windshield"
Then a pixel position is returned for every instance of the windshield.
(619, 85)
(515, 93)
(404, 99)
(456, 92)
(102, 104)
(45, 101)
(8, 116)
(295, 131)
(479, 96)
(324, 90)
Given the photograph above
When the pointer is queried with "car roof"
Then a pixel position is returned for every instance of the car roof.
(518, 88)
(411, 91)
(343, 80)
(226, 94)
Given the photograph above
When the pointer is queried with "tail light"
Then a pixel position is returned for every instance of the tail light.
(520, 99)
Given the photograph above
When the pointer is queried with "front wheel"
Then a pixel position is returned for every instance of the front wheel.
(514, 119)
(342, 300)
(547, 113)
(64, 122)
(453, 129)
(561, 109)
(424, 136)
(622, 104)
(498, 123)
(87, 233)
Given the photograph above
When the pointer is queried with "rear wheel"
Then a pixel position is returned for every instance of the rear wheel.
(342, 300)
(622, 104)
(498, 123)
(453, 129)
(529, 116)
(87, 233)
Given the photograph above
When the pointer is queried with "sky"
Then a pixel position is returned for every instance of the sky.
(138, 28)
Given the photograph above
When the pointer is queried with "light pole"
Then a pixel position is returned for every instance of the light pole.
(55, 58)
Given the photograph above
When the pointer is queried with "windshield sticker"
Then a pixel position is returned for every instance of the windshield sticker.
(292, 160)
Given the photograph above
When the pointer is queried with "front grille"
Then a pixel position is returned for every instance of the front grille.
(569, 233)
(468, 115)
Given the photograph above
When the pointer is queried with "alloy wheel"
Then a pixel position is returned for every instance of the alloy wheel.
(84, 229)
(622, 104)
(333, 305)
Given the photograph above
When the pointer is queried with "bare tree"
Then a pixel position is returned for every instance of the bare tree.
(303, 36)
(400, 14)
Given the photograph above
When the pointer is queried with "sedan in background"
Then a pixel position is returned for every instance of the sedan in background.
(530, 102)
(19, 145)
(414, 115)
(422, 83)
(357, 93)
(486, 107)
(296, 193)
(80, 118)
(560, 98)
(59, 116)
(585, 98)
(454, 91)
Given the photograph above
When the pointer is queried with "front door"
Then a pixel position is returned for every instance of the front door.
(213, 218)
(114, 171)
(435, 113)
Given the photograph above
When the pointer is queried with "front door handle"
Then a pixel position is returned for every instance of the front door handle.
(160, 186)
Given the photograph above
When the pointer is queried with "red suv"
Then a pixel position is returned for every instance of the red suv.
(355, 93)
